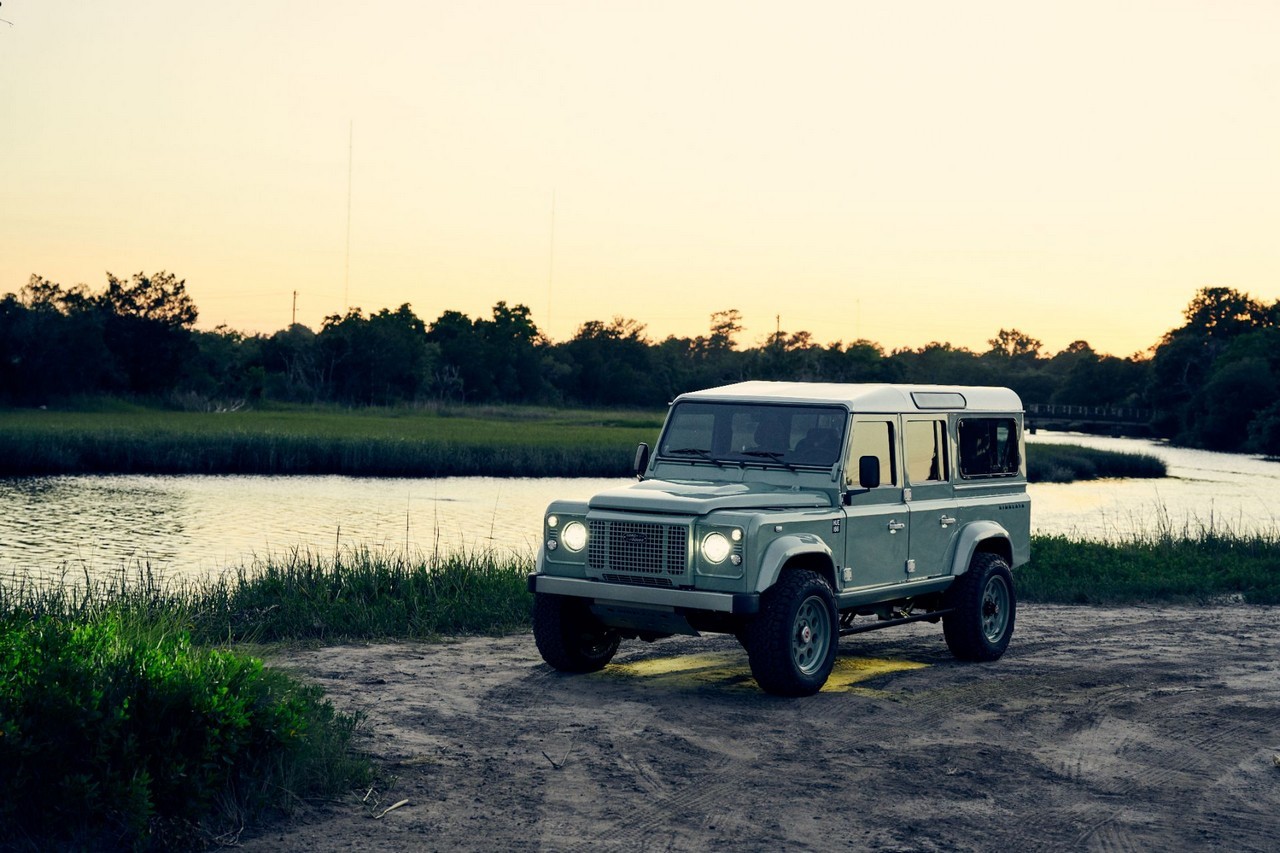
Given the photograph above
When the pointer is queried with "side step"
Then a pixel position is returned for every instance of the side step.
(889, 623)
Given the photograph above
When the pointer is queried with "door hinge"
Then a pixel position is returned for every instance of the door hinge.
(911, 566)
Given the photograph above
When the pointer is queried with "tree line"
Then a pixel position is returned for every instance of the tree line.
(1213, 382)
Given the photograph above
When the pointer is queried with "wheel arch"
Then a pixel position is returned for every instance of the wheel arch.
(796, 551)
(981, 537)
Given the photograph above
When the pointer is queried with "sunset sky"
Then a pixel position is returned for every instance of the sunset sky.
(903, 172)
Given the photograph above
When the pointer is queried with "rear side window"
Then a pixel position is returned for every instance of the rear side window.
(988, 447)
(926, 449)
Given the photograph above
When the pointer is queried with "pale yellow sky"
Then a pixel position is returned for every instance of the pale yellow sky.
(904, 172)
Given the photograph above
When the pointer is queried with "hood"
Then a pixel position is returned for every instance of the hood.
(701, 498)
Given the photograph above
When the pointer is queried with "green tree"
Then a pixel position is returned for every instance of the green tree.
(51, 344)
(1013, 344)
(1221, 324)
(291, 359)
(379, 360)
(610, 364)
(513, 352)
(147, 328)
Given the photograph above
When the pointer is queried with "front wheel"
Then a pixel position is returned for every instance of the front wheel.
(792, 643)
(979, 627)
(569, 636)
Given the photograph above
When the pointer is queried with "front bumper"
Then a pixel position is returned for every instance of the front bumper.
(600, 592)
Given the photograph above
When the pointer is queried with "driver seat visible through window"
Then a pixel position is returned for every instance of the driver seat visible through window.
(818, 447)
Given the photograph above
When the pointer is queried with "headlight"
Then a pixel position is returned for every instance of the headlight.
(574, 536)
(715, 547)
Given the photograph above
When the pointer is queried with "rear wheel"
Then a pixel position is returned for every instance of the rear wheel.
(569, 636)
(792, 643)
(979, 627)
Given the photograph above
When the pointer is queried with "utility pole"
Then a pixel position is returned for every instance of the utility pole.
(294, 320)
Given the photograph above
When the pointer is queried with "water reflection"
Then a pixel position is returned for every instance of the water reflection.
(1224, 491)
(51, 525)
(205, 523)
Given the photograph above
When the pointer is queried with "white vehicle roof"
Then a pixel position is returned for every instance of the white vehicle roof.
(867, 397)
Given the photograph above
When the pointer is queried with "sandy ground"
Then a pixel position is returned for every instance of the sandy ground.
(1101, 729)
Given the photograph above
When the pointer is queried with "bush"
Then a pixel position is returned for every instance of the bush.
(120, 735)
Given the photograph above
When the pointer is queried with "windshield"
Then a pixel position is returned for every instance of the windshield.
(754, 433)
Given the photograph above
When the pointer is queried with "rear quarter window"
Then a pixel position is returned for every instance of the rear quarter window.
(989, 447)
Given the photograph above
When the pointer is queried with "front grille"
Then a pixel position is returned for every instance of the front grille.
(638, 548)
(637, 580)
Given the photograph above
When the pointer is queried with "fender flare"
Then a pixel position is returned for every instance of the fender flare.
(783, 549)
(971, 536)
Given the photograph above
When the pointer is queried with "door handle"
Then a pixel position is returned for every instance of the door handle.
(895, 526)
(947, 521)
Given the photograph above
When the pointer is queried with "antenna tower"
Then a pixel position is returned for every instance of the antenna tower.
(551, 260)
(346, 272)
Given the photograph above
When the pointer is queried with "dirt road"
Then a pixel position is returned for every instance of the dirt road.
(1101, 729)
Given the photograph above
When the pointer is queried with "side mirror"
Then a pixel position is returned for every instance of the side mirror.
(642, 459)
(869, 472)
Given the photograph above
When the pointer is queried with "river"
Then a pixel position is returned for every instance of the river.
(201, 524)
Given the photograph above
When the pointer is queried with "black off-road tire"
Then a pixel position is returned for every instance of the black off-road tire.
(979, 627)
(569, 636)
(792, 643)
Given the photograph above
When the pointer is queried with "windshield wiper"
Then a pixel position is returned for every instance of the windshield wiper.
(770, 454)
(696, 451)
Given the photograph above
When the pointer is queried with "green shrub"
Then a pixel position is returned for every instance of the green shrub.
(125, 735)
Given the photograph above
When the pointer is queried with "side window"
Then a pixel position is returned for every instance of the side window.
(988, 447)
(925, 444)
(872, 438)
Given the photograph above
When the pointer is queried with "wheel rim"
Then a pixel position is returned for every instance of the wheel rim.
(811, 635)
(995, 609)
(594, 643)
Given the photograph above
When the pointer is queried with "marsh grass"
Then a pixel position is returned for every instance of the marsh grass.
(433, 442)
(354, 594)
(1066, 463)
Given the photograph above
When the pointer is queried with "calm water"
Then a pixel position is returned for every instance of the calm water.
(201, 524)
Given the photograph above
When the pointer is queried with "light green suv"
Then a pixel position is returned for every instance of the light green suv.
(780, 512)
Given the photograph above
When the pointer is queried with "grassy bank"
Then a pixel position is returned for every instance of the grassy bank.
(362, 595)
(125, 721)
(1185, 567)
(129, 719)
(440, 442)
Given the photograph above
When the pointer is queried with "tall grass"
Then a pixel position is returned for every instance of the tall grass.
(355, 594)
(1194, 564)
